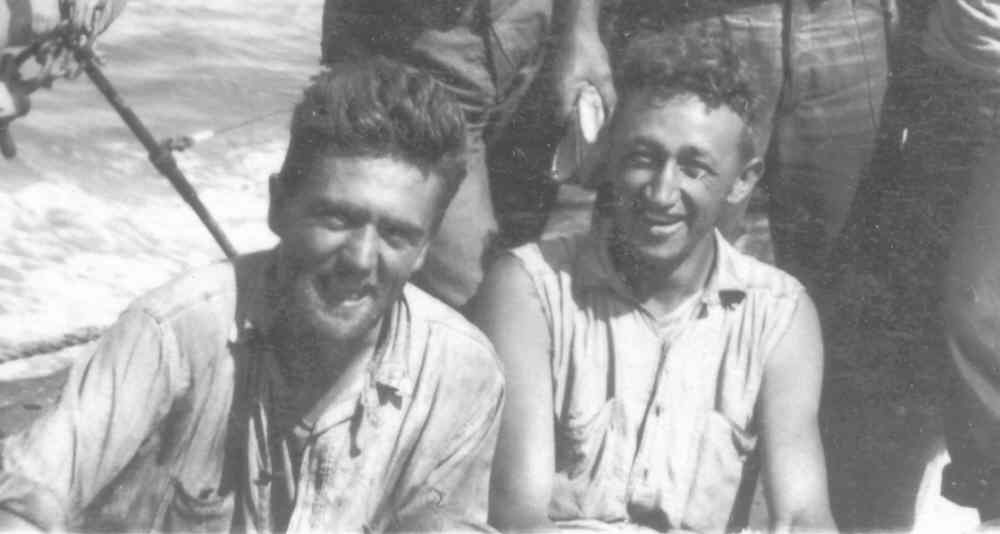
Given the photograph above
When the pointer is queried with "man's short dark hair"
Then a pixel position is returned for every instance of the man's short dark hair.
(701, 62)
(378, 107)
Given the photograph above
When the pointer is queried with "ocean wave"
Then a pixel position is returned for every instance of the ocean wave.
(87, 223)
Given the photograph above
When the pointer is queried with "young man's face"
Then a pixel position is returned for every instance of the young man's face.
(352, 232)
(674, 163)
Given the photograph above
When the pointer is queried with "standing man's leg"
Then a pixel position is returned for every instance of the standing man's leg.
(825, 128)
(972, 317)
(484, 50)
(757, 33)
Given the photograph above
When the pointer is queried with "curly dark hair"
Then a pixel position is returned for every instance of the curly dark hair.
(378, 107)
(700, 61)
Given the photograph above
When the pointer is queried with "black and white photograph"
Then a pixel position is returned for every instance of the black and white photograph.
(637, 266)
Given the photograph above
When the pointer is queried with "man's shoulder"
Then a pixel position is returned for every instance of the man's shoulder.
(189, 290)
(758, 277)
(557, 254)
(442, 322)
(203, 292)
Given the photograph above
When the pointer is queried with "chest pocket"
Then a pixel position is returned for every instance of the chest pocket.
(590, 471)
(722, 453)
(199, 496)
(197, 508)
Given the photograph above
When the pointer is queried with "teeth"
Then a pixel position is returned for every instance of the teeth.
(329, 286)
(356, 295)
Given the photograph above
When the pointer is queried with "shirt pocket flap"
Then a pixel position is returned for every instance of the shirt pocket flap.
(722, 453)
(578, 442)
(196, 509)
(589, 481)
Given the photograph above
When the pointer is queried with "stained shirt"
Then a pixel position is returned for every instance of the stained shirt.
(654, 415)
(175, 423)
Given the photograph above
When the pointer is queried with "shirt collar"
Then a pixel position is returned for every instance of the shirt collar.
(256, 315)
(593, 268)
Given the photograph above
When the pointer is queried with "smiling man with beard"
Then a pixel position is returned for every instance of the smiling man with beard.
(644, 359)
(308, 387)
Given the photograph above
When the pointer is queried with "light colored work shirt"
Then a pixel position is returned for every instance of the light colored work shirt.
(173, 424)
(654, 416)
(965, 34)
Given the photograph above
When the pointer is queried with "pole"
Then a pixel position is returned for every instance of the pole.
(161, 157)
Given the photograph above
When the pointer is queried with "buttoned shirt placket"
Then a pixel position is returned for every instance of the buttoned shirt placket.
(308, 488)
(698, 317)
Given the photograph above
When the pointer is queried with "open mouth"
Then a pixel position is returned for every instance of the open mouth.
(335, 291)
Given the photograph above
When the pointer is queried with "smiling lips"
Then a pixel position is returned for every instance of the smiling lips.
(336, 290)
(660, 223)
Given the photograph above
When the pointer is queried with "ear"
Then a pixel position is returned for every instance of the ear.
(278, 193)
(745, 182)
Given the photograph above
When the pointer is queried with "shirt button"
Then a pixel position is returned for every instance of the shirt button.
(645, 474)
(657, 410)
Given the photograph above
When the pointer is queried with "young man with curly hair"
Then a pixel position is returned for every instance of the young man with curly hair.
(647, 358)
(822, 70)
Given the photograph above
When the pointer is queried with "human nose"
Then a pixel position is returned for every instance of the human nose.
(361, 252)
(664, 188)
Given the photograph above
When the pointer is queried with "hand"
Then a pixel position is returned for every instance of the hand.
(582, 59)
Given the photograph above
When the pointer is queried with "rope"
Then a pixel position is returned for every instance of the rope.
(52, 54)
(76, 337)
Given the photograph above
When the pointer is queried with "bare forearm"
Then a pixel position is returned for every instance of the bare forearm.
(510, 514)
(796, 483)
(815, 519)
(795, 464)
(509, 311)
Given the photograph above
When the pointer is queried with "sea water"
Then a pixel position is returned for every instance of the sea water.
(86, 223)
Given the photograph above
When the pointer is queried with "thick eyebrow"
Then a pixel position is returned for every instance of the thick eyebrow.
(353, 213)
(697, 154)
(691, 152)
(406, 228)
(356, 214)
(645, 143)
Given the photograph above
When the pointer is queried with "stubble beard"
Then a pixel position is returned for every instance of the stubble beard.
(316, 330)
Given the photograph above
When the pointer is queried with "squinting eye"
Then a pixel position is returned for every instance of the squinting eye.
(638, 159)
(694, 172)
(333, 222)
(329, 220)
(396, 238)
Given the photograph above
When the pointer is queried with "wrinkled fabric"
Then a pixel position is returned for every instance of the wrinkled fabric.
(175, 424)
(654, 416)
(965, 35)
(486, 52)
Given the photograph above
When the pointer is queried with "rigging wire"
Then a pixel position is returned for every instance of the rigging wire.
(184, 142)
